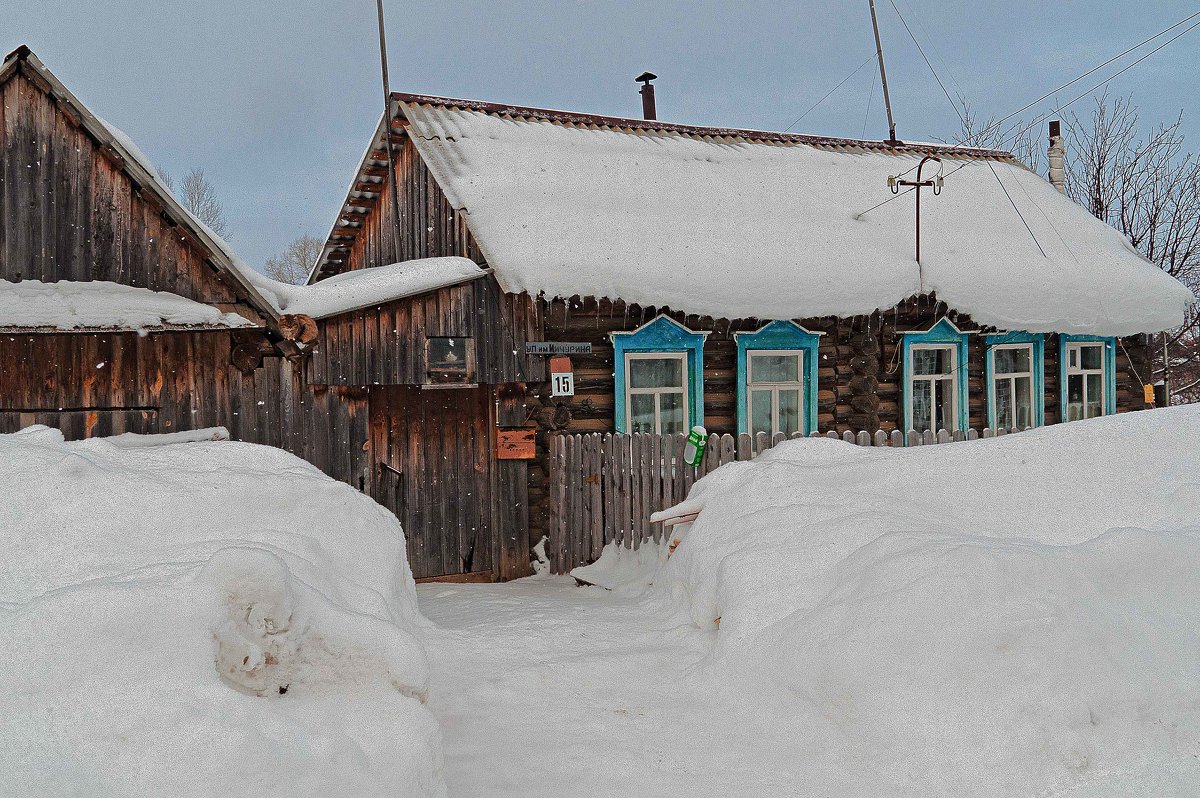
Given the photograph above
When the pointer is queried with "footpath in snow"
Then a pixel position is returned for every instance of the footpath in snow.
(542, 688)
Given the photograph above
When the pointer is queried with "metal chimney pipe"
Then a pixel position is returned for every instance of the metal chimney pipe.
(1057, 157)
(647, 92)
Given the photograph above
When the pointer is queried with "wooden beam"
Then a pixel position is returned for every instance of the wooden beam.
(473, 577)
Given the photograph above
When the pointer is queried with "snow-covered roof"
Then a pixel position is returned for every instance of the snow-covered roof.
(740, 224)
(100, 305)
(367, 287)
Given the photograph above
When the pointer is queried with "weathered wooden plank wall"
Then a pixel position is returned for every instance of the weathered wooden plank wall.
(428, 225)
(385, 345)
(434, 454)
(71, 211)
(102, 384)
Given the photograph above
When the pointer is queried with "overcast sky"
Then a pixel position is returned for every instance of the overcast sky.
(276, 100)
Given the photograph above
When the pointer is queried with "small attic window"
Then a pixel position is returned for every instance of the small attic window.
(450, 361)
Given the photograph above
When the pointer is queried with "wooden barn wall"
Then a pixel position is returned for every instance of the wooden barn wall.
(429, 226)
(859, 373)
(385, 345)
(70, 212)
(96, 384)
(434, 456)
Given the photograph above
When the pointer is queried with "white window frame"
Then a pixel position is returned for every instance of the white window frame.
(1076, 348)
(774, 387)
(1012, 378)
(950, 377)
(630, 391)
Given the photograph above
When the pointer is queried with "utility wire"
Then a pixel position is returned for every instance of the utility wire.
(870, 99)
(831, 91)
(1038, 119)
(1096, 69)
(921, 50)
(1015, 208)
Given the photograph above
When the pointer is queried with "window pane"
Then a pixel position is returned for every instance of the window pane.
(943, 405)
(1095, 395)
(1092, 356)
(1005, 412)
(789, 412)
(932, 361)
(641, 412)
(664, 372)
(774, 368)
(1009, 361)
(1024, 403)
(921, 401)
(1074, 397)
(760, 412)
(671, 413)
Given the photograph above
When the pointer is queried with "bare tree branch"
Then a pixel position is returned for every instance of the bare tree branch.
(293, 265)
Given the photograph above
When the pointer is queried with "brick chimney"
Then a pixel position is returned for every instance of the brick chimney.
(1058, 154)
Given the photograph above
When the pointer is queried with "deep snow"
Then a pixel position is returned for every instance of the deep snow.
(203, 618)
(1017, 617)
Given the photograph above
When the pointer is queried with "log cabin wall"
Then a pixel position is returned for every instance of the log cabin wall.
(859, 371)
(72, 212)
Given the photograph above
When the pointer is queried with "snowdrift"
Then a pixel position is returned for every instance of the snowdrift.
(203, 618)
(1018, 616)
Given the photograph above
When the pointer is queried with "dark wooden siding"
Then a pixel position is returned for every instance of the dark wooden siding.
(93, 385)
(385, 345)
(435, 470)
(429, 227)
(71, 211)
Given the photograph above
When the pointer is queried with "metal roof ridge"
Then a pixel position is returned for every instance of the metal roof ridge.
(633, 124)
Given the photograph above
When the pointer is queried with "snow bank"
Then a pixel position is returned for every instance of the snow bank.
(367, 287)
(67, 305)
(624, 571)
(1014, 616)
(735, 228)
(208, 618)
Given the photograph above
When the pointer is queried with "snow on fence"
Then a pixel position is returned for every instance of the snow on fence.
(604, 487)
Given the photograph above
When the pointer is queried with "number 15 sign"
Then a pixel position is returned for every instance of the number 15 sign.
(562, 377)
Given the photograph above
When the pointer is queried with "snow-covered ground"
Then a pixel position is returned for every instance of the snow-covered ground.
(203, 618)
(1017, 617)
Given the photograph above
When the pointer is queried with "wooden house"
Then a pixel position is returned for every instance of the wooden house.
(746, 281)
(736, 279)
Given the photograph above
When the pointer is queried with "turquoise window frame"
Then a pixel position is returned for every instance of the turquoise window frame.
(1039, 372)
(944, 332)
(1110, 371)
(779, 336)
(660, 335)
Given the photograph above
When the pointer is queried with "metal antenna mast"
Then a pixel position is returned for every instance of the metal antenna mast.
(887, 99)
(387, 133)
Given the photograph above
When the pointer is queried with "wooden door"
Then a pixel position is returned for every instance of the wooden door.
(433, 468)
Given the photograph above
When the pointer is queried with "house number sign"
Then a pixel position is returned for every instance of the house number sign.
(562, 377)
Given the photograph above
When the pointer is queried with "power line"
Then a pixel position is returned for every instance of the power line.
(1096, 69)
(1015, 208)
(1012, 137)
(831, 91)
(921, 50)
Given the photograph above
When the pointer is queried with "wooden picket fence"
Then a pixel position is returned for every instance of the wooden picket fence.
(604, 487)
